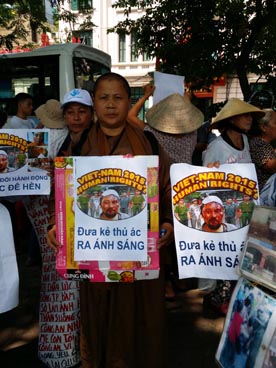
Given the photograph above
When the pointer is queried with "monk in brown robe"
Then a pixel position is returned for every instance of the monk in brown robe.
(123, 324)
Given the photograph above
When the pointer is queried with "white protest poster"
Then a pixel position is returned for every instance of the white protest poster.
(212, 209)
(59, 322)
(166, 85)
(105, 230)
(24, 162)
(9, 286)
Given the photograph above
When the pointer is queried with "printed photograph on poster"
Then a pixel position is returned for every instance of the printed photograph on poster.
(212, 210)
(37, 144)
(109, 202)
(196, 212)
(111, 211)
(24, 162)
(258, 261)
(127, 201)
(248, 337)
(270, 358)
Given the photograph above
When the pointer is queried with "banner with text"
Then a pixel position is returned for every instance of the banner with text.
(212, 209)
(107, 232)
(24, 162)
(59, 320)
(113, 205)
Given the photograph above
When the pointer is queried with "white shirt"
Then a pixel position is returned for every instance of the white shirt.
(219, 150)
(17, 123)
(56, 138)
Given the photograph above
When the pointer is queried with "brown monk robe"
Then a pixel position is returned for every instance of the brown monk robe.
(123, 325)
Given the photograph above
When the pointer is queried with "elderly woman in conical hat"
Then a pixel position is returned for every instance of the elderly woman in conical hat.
(234, 121)
(174, 121)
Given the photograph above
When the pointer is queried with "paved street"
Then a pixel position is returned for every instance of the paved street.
(193, 339)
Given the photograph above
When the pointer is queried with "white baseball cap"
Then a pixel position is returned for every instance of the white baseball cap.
(212, 198)
(3, 153)
(77, 95)
(110, 192)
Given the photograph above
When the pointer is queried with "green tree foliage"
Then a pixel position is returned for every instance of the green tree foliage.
(18, 19)
(205, 39)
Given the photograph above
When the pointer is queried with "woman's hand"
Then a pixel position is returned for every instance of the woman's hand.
(213, 164)
(148, 90)
(52, 240)
(167, 235)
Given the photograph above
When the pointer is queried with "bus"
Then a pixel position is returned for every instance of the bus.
(49, 72)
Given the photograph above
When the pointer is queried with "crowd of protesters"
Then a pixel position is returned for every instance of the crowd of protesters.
(119, 321)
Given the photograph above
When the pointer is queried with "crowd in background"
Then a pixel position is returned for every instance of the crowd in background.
(106, 126)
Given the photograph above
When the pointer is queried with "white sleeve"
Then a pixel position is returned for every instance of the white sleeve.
(213, 152)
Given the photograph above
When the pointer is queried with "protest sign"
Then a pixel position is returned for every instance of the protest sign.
(107, 212)
(111, 235)
(9, 287)
(166, 85)
(212, 210)
(24, 162)
(59, 321)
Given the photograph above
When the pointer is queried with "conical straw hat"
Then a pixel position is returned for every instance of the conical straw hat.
(235, 107)
(174, 114)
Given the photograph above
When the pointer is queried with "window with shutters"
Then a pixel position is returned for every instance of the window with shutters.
(134, 53)
(122, 48)
(84, 37)
(81, 4)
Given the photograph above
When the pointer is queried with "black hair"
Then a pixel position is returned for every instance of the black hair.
(239, 306)
(21, 97)
(112, 76)
(263, 99)
(256, 129)
(3, 117)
